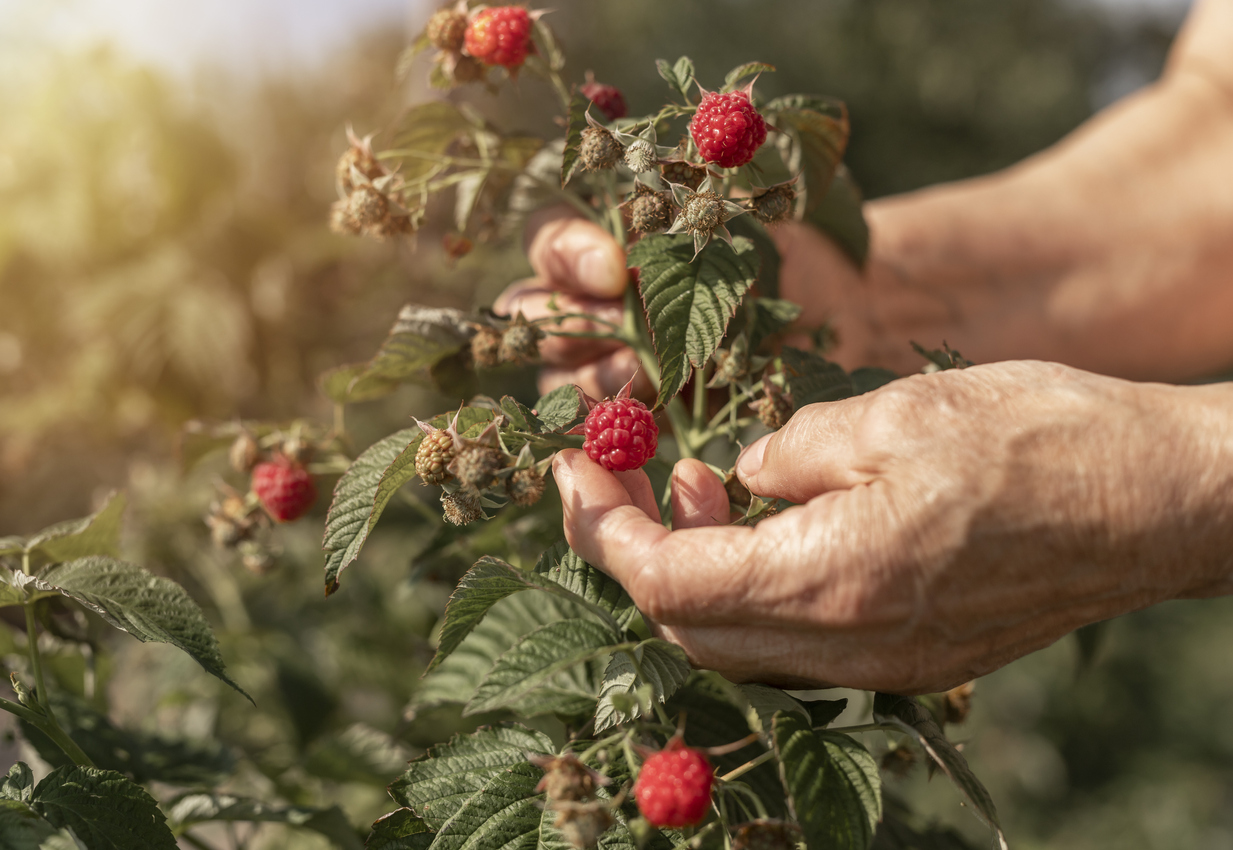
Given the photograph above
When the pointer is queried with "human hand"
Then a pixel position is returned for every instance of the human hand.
(949, 524)
(579, 268)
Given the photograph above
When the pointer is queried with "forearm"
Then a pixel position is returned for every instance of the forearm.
(1111, 251)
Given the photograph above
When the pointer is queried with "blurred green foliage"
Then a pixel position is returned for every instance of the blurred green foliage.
(164, 255)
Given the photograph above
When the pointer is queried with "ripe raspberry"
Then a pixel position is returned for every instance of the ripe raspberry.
(447, 29)
(727, 129)
(674, 786)
(434, 454)
(500, 36)
(621, 434)
(608, 98)
(285, 489)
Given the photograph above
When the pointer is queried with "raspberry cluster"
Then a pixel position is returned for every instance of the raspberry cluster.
(674, 786)
(621, 434)
(500, 35)
(285, 488)
(727, 129)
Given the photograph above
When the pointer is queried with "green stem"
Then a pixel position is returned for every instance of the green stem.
(21, 711)
(680, 426)
(699, 397)
(36, 660)
(748, 766)
(603, 742)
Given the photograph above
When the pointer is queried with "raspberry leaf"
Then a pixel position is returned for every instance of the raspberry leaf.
(360, 753)
(456, 678)
(491, 580)
(429, 129)
(561, 408)
(656, 665)
(437, 784)
(193, 808)
(812, 378)
(741, 72)
(148, 607)
(907, 714)
(832, 782)
(104, 809)
(680, 76)
(399, 830)
(537, 658)
(420, 338)
(689, 304)
(821, 140)
(765, 702)
(21, 828)
(97, 534)
(840, 216)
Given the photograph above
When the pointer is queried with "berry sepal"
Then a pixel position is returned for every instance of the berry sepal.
(704, 213)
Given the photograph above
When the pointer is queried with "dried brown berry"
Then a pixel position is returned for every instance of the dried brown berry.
(525, 487)
(773, 205)
(583, 823)
(650, 211)
(775, 407)
(520, 343)
(486, 347)
(244, 453)
(435, 453)
(738, 493)
(765, 835)
(462, 507)
(359, 156)
(599, 150)
(477, 465)
(679, 171)
(341, 221)
(958, 702)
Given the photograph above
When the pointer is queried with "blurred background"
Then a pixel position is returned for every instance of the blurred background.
(165, 175)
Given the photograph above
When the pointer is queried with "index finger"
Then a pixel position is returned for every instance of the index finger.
(576, 255)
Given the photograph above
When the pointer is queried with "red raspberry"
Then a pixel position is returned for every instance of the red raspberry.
(674, 786)
(621, 434)
(285, 488)
(608, 98)
(500, 36)
(727, 129)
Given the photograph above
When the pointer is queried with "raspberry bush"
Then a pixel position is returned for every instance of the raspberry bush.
(594, 732)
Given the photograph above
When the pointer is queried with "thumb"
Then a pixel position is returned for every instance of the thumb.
(810, 455)
(578, 256)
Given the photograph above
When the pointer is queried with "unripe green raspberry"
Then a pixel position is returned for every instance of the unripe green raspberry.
(599, 150)
(525, 487)
(435, 453)
(446, 29)
(702, 213)
(477, 465)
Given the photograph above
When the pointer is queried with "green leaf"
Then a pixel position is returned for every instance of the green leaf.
(901, 829)
(490, 581)
(813, 379)
(97, 534)
(563, 566)
(840, 215)
(832, 106)
(749, 69)
(18, 784)
(869, 378)
(11, 546)
(21, 828)
(833, 785)
(822, 139)
(148, 607)
(355, 508)
(189, 809)
(419, 339)
(399, 830)
(770, 317)
(680, 76)
(822, 712)
(142, 756)
(578, 105)
(765, 702)
(654, 664)
(911, 717)
(689, 304)
(769, 261)
(104, 809)
(505, 813)
(429, 128)
(560, 408)
(539, 656)
(434, 786)
(359, 754)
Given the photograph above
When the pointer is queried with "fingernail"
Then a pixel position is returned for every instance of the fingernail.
(599, 272)
(750, 461)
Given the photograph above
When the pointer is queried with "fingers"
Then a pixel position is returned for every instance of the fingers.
(534, 300)
(576, 255)
(600, 378)
(698, 496)
(811, 455)
(641, 494)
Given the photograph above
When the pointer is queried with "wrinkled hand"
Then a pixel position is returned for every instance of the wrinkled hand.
(948, 524)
